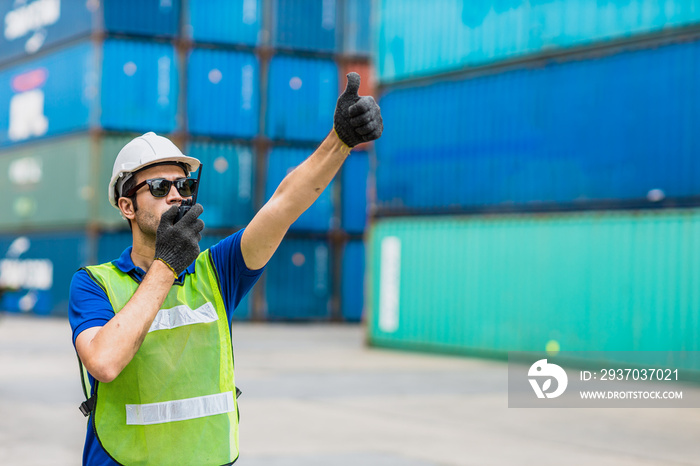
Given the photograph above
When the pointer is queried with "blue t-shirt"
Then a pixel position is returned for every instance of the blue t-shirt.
(89, 307)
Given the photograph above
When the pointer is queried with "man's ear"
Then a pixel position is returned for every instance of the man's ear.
(126, 206)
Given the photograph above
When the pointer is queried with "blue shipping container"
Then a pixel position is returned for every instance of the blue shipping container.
(417, 38)
(357, 27)
(139, 86)
(354, 192)
(36, 25)
(226, 187)
(149, 17)
(615, 128)
(60, 93)
(111, 245)
(225, 21)
(304, 24)
(38, 269)
(281, 161)
(244, 309)
(301, 98)
(297, 281)
(222, 93)
(52, 95)
(353, 281)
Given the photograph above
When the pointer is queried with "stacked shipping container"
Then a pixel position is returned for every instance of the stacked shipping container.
(69, 71)
(282, 67)
(537, 126)
(246, 86)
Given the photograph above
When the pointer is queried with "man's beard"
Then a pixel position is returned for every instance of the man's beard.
(147, 222)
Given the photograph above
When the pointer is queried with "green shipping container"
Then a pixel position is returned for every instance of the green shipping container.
(596, 281)
(46, 184)
(59, 183)
(109, 147)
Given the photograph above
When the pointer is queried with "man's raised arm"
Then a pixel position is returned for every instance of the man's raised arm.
(357, 119)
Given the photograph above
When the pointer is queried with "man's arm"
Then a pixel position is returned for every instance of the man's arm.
(297, 191)
(357, 119)
(105, 351)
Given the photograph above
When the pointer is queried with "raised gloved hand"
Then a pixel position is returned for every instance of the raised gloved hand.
(177, 243)
(357, 119)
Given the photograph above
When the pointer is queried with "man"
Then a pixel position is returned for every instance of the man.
(152, 328)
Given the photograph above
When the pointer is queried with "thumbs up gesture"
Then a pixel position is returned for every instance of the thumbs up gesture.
(357, 119)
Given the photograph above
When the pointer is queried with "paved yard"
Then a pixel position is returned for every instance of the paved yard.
(315, 395)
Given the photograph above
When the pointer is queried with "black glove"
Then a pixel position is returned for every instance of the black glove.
(357, 119)
(177, 243)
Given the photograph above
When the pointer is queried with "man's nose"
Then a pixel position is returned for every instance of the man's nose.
(174, 195)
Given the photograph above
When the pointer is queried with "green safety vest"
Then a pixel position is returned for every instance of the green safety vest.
(175, 402)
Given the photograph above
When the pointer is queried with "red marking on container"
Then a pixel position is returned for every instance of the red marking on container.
(29, 80)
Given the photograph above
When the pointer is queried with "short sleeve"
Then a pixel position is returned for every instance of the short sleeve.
(235, 277)
(88, 305)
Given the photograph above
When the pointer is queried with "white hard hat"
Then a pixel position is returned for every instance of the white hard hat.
(139, 153)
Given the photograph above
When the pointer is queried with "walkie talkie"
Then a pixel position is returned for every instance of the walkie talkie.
(188, 203)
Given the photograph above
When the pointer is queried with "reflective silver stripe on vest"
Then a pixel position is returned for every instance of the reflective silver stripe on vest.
(181, 315)
(179, 410)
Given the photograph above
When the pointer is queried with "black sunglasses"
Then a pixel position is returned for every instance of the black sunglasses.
(160, 187)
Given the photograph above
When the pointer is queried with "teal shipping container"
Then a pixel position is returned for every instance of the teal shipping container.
(357, 27)
(226, 186)
(418, 38)
(596, 281)
(297, 281)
